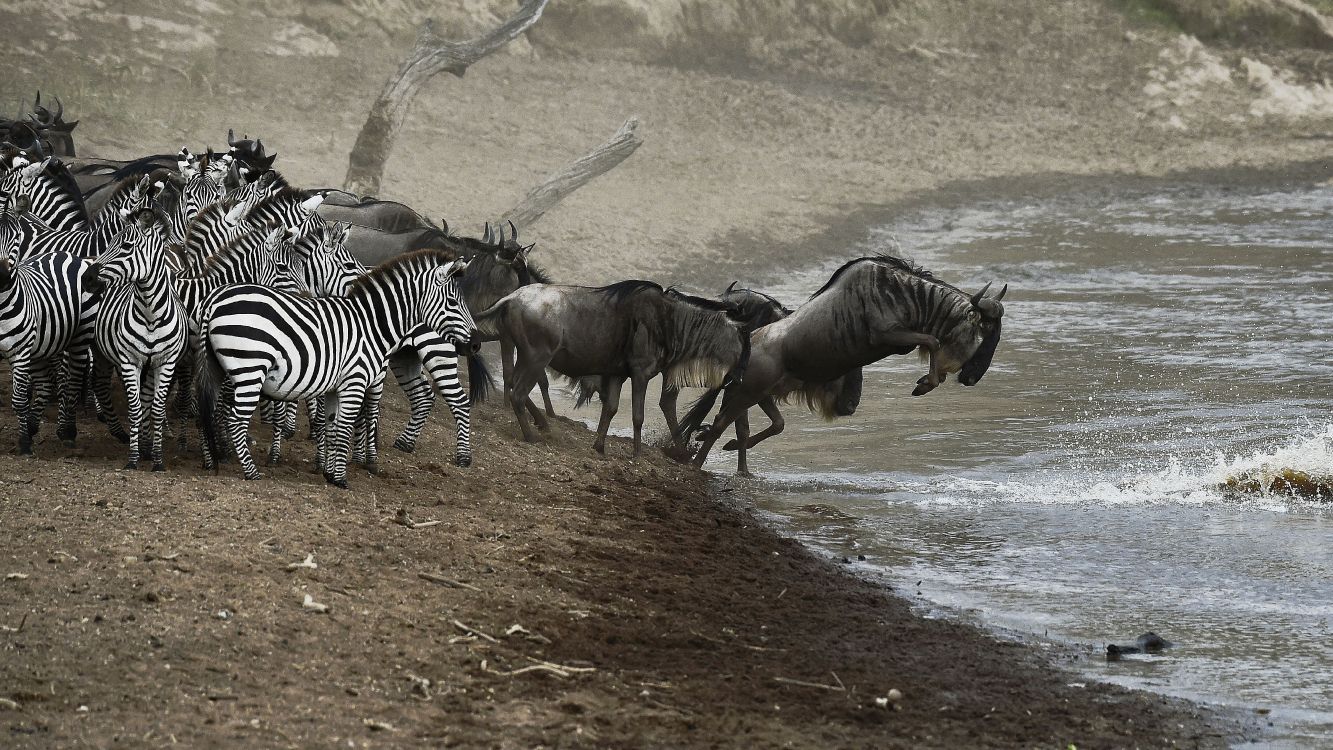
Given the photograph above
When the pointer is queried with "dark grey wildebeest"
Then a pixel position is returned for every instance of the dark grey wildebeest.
(836, 398)
(633, 329)
(869, 309)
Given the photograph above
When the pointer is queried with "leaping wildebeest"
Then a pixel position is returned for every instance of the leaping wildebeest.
(870, 308)
(632, 329)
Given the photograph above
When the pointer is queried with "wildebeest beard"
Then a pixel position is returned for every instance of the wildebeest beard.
(975, 367)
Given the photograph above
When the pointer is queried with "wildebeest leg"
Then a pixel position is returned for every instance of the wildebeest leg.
(545, 385)
(610, 392)
(527, 368)
(932, 378)
(668, 404)
(743, 441)
(638, 389)
(770, 408)
(733, 406)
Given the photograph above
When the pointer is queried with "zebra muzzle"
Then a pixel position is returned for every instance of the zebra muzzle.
(92, 282)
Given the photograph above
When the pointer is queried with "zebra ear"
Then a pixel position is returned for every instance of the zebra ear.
(21, 203)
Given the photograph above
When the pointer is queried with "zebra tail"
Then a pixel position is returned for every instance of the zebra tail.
(698, 412)
(480, 382)
(208, 377)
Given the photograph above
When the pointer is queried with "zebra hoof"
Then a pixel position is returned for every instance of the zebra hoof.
(131, 465)
(463, 461)
(339, 483)
(250, 477)
(122, 437)
(68, 442)
(405, 445)
(159, 466)
(373, 469)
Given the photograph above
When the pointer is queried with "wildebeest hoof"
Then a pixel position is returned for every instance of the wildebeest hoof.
(922, 389)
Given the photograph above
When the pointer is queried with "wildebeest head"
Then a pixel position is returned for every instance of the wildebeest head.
(498, 266)
(754, 309)
(707, 342)
(249, 156)
(57, 133)
(990, 313)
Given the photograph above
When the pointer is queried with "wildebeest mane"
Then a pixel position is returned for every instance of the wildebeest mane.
(899, 264)
(142, 166)
(623, 290)
(704, 302)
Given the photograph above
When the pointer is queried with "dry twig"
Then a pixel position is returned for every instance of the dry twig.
(839, 688)
(451, 583)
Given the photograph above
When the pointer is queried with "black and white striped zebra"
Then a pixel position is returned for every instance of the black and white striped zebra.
(290, 347)
(53, 195)
(141, 326)
(46, 327)
(424, 363)
(132, 195)
(217, 224)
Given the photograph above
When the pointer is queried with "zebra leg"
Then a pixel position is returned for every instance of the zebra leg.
(162, 378)
(289, 421)
(407, 371)
(275, 413)
(342, 409)
(76, 376)
(186, 403)
(314, 412)
(106, 411)
(21, 375)
(461, 407)
(129, 376)
(368, 428)
(245, 398)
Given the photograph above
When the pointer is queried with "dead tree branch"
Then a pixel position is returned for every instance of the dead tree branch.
(575, 175)
(430, 56)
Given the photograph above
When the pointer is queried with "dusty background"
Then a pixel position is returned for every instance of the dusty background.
(156, 609)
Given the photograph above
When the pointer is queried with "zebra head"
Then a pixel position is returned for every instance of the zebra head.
(133, 255)
(11, 235)
(443, 308)
(22, 180)
(320, 259)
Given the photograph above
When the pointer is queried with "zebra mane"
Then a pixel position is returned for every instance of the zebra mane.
(417, 260)
(235, 249)
(63, 179)
(284, 194)
(896, 263)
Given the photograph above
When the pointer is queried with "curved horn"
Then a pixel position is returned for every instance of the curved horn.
(445, 222)
(1003, 289)
(731, 286)
(513, 232)
(60, 111)
(976, 298)
(231, 137)
(38, 101)
(486, 236)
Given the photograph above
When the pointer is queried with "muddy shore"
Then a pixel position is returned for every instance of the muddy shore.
(150, 610)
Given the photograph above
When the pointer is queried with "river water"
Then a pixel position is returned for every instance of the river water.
(1155, 344)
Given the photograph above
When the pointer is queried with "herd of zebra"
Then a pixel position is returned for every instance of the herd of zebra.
(209, 274)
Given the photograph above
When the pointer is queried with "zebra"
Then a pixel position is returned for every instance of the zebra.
(46, 324)
(54, 196)
(424, 359)
(130, 196)
(141, 325)
(218, 223)
(288, 347)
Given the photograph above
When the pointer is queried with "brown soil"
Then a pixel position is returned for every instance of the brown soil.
(686, 609)
(156, 609)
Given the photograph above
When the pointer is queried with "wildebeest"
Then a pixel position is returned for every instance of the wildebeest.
(871, 307)
(41, 130)
(836, 398)
(372, 213)
(632, 329)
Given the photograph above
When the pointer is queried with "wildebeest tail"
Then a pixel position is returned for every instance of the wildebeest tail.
(479, 379)
(585, 389)
(698, 412)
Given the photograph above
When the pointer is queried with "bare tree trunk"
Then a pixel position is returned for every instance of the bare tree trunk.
(575, 175)
(431, 55)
